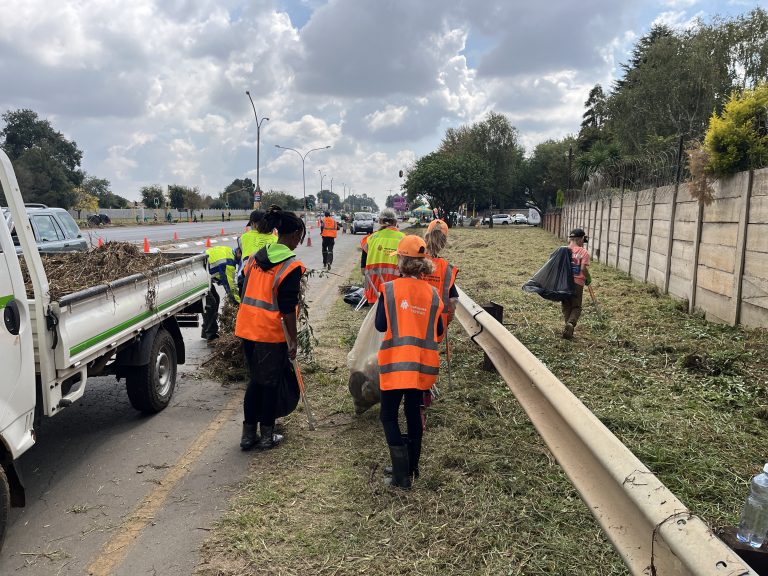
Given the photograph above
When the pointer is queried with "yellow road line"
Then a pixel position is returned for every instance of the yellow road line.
(116, 549)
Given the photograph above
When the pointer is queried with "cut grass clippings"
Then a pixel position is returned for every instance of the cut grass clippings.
(686, 396)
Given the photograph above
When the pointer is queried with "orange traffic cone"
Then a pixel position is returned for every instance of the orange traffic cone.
(208, 243)
(146, 245)
(175, 236)
(101, 242)
(309, 242)
(222, 231)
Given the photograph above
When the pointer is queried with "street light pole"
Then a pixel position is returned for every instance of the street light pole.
(258, 141)
(303, 175)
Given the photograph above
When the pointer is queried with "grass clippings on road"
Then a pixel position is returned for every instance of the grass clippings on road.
(687, 397)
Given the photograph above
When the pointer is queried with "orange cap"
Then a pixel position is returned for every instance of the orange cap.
(438, 225)
(412, 246)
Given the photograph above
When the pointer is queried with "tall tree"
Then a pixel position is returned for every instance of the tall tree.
(330, 198)
(593, 118)
(282, 199)
(100, 188)
(496, 141)
(546, 171)
(47, 165)
(151, 193)
(449, 180)
(239, 194)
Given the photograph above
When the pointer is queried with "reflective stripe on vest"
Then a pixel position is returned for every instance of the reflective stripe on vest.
(442, 278)
(408, 360)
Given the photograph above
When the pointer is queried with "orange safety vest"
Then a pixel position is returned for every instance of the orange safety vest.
(330, 228)
(442, 279)
(408, 357)
(259, 318)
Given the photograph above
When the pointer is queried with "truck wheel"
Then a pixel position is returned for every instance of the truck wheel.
(5, 504)
(150, 387)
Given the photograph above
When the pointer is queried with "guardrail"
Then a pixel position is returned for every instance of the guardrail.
(652, 530)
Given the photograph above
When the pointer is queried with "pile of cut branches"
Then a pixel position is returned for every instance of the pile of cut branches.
(71, 272)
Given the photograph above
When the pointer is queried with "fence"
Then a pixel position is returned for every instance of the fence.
(714, 256)
(148, 214)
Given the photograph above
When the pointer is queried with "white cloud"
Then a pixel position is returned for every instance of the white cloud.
(390, 116)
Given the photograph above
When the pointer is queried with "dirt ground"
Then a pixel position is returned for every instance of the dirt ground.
(687, 397)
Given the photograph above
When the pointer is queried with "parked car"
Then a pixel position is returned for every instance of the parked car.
(98, 220)
(520, 219)
(363, 222)
(504, 219)
(54, 229)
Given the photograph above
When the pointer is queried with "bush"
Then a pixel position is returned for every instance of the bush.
(737, 140)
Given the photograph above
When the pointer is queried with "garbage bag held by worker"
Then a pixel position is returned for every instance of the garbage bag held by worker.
(554, 280)
(363, 364)
(288, 393)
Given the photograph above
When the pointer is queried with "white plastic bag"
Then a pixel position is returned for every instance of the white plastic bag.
(363, 364)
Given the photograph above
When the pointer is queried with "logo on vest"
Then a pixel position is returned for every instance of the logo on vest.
(404, 305)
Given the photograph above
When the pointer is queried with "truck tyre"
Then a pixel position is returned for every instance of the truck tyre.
(151, 386)
(5, 504)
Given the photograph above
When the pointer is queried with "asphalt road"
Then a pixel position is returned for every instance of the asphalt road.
(163, 233)
(110, 491)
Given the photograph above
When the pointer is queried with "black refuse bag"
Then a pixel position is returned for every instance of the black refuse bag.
(287, 393)
(554, 280)
(354, 295)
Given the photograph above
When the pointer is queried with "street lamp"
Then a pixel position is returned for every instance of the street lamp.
(303, 176)
(258, 138)
(331, 196)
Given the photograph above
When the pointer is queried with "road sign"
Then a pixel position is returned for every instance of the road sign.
(257, 196)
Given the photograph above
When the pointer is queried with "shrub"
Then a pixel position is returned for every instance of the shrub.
(737, 140)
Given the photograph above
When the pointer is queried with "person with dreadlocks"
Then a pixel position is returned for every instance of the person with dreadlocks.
(270, 299)
(252, 241)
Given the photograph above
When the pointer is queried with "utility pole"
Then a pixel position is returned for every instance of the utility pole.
(258, 147)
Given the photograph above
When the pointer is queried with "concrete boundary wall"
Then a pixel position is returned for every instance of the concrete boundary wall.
(714, 256)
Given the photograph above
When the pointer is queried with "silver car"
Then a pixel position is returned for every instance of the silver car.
(54, 229)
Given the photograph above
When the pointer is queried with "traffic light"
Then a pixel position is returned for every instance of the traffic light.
(401, 173)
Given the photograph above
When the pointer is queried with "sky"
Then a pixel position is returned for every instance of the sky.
(154, 91)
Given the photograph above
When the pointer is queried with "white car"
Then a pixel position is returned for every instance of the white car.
(502, 219)
(520, 219)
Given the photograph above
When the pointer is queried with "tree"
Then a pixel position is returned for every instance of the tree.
(176, 196)
(151, 193)
(239, 194)
(100, 188)
(546, 171)
(593, 118)
(46, 163)
(282, 199)
(449, 180)
(85, 202)
(737, 140)
(330, 198)
(497, 142)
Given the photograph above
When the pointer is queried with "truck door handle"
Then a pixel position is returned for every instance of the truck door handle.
(12, 317)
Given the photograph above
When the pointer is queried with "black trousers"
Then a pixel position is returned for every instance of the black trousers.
(266, 361)
(390, 405)
(328, 249)
(211, 314)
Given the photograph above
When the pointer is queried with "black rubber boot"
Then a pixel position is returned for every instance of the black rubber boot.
(388, 469)
(250, 436)
(414, 455)
(401, 477)
(268, 438)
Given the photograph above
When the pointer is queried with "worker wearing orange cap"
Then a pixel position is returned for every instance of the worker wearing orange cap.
(409, 313)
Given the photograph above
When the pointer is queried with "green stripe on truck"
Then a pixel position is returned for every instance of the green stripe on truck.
(4, 301)
(135, 320)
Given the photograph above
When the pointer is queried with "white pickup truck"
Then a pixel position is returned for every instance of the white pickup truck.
(48, 349)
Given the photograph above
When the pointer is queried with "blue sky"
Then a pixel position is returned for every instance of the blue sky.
(153, 91)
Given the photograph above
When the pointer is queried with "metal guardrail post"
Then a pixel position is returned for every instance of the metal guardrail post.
(653, 531)
(497, 312)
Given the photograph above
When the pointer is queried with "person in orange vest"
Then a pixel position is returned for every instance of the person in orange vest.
(329, 228)
(270, 301)
(378, 262)
(444, 280)
(410, 315)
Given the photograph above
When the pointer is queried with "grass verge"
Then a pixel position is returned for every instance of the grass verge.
(687, 397)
